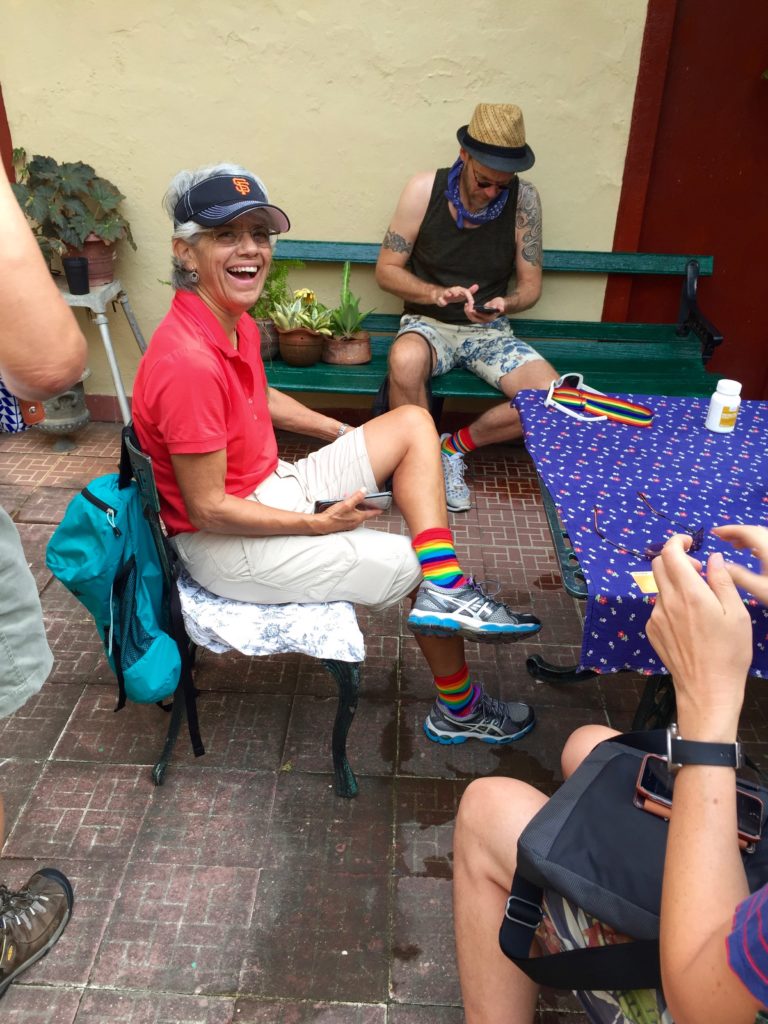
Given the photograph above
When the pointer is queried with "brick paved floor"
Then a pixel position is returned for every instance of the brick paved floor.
(243, 889)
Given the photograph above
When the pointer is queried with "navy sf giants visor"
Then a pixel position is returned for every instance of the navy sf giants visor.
(219, 200)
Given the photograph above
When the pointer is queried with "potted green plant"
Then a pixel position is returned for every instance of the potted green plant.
(302, 324)
(350, 344)
(72, 211)
(275, 293)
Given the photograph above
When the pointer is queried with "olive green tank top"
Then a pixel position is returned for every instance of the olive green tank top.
(446, 255)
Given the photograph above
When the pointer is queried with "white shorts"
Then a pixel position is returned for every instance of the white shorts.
(367, 567)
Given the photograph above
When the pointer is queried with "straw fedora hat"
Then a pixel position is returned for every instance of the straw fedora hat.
(495, 137)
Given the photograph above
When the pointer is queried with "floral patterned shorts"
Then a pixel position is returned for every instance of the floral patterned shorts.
(487, 350)
(566, 926)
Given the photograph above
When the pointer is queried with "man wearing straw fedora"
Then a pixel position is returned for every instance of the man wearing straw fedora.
(463, 250)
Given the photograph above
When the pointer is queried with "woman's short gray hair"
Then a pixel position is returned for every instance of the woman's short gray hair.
(189, 231)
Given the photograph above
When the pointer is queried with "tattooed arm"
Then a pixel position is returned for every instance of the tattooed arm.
(391, 273)
(529, 248)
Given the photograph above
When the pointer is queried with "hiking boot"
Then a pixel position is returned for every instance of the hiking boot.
(457, 496)
(469, 612)
(492, 721)
(31, 921)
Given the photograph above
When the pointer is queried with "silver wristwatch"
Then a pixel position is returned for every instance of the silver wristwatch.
(680, 752)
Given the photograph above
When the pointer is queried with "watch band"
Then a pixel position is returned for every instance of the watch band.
(680, 752)
(342, 429)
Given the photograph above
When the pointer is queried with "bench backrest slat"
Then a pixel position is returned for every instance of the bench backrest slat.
(586, 330)
(554, 259)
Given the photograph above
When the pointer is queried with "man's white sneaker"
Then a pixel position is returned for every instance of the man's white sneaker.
(457, 496)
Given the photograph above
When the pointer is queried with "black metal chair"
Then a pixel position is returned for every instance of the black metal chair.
(345, 673)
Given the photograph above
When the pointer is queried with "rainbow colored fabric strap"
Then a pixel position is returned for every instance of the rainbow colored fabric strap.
(617, 409)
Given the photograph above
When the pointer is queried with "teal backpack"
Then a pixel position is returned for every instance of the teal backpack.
(103, 552)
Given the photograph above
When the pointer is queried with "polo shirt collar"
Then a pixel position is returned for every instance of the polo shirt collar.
(193, 307)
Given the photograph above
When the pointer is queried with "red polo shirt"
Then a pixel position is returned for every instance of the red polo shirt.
(195, 393)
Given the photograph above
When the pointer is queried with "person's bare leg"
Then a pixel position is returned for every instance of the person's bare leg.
(502, 422)
(580, 743)
(444, 655)
(410, 364)
(492, 814)
(404, 444)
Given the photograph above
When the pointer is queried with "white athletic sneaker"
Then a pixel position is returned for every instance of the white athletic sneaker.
(457, 496)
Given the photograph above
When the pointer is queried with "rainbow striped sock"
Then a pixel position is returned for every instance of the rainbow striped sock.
(456, 694)
(437, 557)
(460, 443)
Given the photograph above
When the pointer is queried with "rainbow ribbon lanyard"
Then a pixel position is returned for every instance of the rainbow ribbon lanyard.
(584, 403)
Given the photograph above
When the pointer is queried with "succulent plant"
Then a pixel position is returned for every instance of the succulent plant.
(346, 318)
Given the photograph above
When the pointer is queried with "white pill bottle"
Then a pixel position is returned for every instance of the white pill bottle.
(724, 407)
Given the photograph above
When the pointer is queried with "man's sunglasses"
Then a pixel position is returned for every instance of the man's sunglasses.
(482, 183)
(652, 550)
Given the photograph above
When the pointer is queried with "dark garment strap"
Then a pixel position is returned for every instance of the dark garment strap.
(620, 967)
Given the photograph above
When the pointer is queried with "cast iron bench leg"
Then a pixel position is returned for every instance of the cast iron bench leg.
(347, 675)
(546, 672)
(657, 707)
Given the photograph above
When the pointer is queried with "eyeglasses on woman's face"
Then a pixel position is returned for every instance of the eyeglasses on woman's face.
(228, 237)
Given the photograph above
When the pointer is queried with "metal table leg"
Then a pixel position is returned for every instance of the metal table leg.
(123, 298)
(102, 323)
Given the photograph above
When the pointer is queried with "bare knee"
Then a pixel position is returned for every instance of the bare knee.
(492, 814)
(415, 423)
(580, 743)
(537, 375)
(410, 359)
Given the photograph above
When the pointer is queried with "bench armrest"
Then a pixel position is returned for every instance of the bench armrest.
(692, 319)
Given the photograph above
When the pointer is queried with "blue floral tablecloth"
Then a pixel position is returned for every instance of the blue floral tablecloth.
(688, 473)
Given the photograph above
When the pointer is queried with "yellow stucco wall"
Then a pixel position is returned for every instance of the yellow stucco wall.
(333, 104)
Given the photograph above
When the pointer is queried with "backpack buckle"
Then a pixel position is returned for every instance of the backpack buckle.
(530, 913)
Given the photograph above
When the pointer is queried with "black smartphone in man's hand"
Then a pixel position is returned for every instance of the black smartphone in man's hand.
(380, 500)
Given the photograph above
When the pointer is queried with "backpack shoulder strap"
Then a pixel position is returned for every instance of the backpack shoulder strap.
(623, 966)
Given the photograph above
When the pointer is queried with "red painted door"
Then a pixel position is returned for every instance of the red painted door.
(696, 172)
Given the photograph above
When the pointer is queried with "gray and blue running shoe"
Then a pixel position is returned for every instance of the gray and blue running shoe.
(493, 721)
(469, 612)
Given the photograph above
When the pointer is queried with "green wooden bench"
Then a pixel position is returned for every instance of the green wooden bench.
(614, 357)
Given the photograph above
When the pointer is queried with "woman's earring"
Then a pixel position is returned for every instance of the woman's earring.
(194, 277)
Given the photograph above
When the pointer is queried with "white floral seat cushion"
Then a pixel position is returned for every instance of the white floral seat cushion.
(327, 630)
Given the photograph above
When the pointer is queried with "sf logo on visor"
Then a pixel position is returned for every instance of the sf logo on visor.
(242, 185)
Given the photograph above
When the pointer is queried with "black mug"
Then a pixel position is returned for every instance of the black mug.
(76, 273)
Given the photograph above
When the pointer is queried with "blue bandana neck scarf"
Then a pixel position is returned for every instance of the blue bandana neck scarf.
(491, 211)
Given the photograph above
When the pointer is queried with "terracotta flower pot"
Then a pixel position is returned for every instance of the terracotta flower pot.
(348, 351)
(101, 259)
(300, 347)
(270, 339)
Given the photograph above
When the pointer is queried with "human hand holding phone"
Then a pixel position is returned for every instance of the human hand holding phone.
(654, 789)
(480, 312)
(381, 500)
